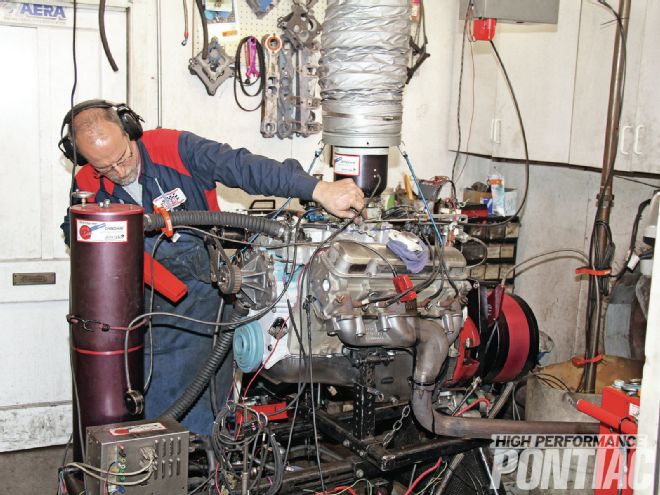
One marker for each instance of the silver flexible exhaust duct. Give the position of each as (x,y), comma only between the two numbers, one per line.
(364,54)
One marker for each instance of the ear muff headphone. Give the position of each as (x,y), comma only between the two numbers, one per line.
(129,119)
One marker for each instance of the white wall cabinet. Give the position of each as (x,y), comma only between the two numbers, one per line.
(646,139)
(592,86)
(540,60)
(561,76)
(478,94)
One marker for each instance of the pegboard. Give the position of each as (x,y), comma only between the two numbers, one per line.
(248,23)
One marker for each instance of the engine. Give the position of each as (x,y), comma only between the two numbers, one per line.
(366,322)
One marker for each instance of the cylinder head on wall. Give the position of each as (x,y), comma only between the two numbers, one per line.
(364,55)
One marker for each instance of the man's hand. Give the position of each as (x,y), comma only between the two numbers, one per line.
(342,198)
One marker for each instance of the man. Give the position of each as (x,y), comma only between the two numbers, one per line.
(125,165)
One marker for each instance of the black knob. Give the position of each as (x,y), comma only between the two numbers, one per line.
(134,401)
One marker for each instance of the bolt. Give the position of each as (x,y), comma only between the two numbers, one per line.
(346,443)
(362,453)
(359,473)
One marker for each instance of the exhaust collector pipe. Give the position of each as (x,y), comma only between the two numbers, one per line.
(452,426)
(431,342)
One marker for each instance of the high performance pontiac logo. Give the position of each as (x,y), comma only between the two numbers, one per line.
(572,462)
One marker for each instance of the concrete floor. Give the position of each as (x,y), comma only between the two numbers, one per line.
(31,471)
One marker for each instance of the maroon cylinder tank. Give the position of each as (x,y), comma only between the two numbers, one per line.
(107,244)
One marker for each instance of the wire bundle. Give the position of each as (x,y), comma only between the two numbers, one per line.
(246,450)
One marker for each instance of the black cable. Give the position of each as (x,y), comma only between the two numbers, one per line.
(73,178)
(460,478)
(201,485)
(254,317)
(414,42)
(305,282)
(633,237)
(71,129)
(232,440)
(238,74)
(104,39)
(605,262)
(441,266)
(150,333)
(524,138)
(467,143)
(311,386)
(460,88)
(301,382)
(213,394)
(551,378)
(595,284)
(437,268)
(205,29)
(66,449)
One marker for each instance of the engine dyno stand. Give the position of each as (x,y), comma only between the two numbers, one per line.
(368,437)
(345,459)
(373,369)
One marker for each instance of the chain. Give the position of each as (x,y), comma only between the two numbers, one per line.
(397,426)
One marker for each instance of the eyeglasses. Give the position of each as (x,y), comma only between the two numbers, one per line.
(120,163)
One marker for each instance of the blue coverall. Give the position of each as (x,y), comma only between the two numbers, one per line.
(173,159)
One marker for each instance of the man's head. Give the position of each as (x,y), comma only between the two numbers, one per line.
(101,139)
(104,133)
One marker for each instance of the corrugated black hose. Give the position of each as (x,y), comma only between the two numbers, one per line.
(191,395)
(263,225)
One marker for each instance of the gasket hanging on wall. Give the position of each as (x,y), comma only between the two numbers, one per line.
(300,26)
(212,64)
(214,68)
(291,79)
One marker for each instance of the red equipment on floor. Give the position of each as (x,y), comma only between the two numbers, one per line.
(614,460)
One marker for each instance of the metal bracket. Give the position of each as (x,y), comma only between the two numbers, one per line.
(300,26)
(364,414)
(215,69)
(286,107)
(272,45)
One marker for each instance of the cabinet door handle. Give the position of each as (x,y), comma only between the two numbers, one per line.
(638,131)
(622,141)
(496,130)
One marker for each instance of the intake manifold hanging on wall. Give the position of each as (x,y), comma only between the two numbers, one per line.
(364,54)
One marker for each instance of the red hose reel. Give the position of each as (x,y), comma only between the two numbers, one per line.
(499,341)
